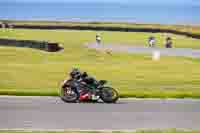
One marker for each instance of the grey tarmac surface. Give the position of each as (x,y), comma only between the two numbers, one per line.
(53,114)
(185,52)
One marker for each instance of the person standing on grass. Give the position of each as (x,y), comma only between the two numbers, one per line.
(98,39)
(168,43)
(151,41)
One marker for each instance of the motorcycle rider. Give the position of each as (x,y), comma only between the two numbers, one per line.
(83,78)
(75,77)
(92,82)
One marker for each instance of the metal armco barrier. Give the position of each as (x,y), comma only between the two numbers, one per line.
(41,45)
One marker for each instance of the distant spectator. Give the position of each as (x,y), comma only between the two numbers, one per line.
(98,39)
(151,41)
(168,43)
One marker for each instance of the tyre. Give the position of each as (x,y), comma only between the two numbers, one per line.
(68,94)
(109,95)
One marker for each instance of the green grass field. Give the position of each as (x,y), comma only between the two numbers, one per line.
(25,71)
(138,131)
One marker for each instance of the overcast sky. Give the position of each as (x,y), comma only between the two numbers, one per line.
(193,2)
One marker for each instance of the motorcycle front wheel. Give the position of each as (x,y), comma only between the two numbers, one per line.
(109,95)
(68,94)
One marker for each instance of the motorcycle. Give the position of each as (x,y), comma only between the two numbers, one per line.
(102,92)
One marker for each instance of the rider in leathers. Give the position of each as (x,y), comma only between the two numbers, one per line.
(79,78)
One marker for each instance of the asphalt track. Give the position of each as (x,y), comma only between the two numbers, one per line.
(184,52)
(53,114)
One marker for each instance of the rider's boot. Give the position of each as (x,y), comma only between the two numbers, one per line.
(94,97)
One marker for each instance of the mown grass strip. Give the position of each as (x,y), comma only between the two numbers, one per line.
(110,131)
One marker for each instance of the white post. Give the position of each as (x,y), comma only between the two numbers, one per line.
(156,55)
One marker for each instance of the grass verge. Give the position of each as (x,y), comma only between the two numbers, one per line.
(138,131)
(25,71)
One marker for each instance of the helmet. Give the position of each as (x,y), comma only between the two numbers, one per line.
(84,75)
(168,38)
(75,73)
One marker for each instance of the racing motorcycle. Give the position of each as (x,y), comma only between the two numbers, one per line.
(102,92)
